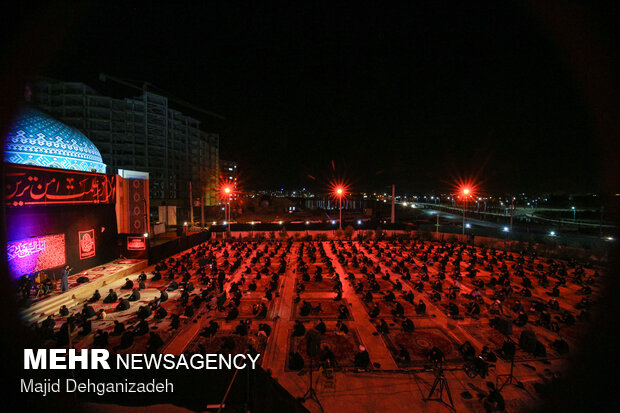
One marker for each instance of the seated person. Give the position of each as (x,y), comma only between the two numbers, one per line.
(374,312)
(126,341)
(295,361)
(211,329)
(342,327)
(128,284)
(435,356)
(86,328)
(403,355)
(160,313)
(453,310)
(408,326)
(398,310)
(141,328)
(521,319)
(96,296)
(305,309)
(317,309)
(154,344)
(135,295)
(473,309)
(122,305)
(327,355)
(64,311)
(320,326)
(488,355)
(467,351)
(111,297)
(242,328)
(144,312)
(142,277)
(494,401)
(265,328)
(100,339)
(88,311)
(163,296)
(361,358)
(568,318)
(232,314)
(343,312)
(299,330)
(262,311)
(383,327)
(119,328)
(420,308)
(173,286)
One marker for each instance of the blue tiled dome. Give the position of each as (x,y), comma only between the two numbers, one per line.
(38,139)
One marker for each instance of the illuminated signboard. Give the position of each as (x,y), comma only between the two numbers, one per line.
(136,243)
(31,255)
(87,244)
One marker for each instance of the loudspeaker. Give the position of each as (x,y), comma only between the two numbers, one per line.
(313,342)
(503,325)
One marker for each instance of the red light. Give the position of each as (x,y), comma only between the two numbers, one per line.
(339,191)
(227,189)
(466,191)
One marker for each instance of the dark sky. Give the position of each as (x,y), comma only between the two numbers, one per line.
(416,96)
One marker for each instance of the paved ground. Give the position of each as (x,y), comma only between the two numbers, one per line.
(387,385)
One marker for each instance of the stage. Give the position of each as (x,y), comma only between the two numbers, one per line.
(98,276)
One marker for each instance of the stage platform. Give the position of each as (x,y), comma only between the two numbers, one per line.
(99,277)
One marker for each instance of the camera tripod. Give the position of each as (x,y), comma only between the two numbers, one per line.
(311,393)
(510,377)
(442,382)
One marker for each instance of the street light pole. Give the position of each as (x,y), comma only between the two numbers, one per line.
(340,206)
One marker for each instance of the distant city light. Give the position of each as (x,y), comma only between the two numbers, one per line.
(359,222)
(224,222)
(280,222)
(467,225)
(146,235)
(506,229)
(610,238)
(333,222)
(552,233)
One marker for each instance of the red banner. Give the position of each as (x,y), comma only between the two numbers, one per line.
(27,185)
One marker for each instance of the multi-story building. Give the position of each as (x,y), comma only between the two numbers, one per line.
(141,133)
(228,174)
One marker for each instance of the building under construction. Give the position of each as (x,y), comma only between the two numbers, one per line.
(142,133)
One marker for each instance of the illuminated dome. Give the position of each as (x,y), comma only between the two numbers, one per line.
(38,139)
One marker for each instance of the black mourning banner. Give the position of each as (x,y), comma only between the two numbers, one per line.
(28,186)
(137,205)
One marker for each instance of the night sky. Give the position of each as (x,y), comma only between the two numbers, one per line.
(416,96)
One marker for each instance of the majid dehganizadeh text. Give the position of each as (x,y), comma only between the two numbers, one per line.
(62,359)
